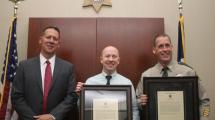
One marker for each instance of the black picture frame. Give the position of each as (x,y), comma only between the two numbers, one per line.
(189,86)
(120,92)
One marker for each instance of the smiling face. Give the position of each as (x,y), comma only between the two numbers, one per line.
(163,50)
(110,59)
(49,42)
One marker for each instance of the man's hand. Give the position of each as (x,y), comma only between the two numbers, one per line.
(44,117)
(143,99)
(79,87)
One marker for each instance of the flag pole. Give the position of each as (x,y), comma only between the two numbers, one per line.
(16,3)
(10,64)
(180,7)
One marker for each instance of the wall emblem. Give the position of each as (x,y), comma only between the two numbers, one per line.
(97,4)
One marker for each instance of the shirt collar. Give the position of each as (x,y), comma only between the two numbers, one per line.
(170,66)
(43,59)
(105,74)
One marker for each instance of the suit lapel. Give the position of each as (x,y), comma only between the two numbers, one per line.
(55,73)
(38,73)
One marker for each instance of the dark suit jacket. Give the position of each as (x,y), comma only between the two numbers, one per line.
(27,93)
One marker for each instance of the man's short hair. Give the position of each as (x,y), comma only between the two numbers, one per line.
(160,35)
(51,27)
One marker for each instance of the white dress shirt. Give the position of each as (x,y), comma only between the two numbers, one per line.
(43,66)
(116,79)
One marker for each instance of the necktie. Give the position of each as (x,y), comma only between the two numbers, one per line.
(165,73)
(108,77)
(47,84)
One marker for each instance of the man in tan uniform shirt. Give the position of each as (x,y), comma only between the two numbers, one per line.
(163,51)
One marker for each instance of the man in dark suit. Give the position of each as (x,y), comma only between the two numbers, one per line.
(44,86)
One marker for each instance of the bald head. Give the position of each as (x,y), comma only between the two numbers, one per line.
(110,59)
(110,48)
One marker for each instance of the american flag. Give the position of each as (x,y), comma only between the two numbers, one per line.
(8,73)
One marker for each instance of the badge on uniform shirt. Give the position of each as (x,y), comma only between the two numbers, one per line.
(205,108)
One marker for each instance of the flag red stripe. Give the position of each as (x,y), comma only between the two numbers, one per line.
(5,96)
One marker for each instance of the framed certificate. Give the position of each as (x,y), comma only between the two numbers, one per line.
(171,98)
(102,102)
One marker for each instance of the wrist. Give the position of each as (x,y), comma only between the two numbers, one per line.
(52,117)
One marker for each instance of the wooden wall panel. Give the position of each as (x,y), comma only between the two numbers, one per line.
(82,40)
(133,37)
(78,42)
